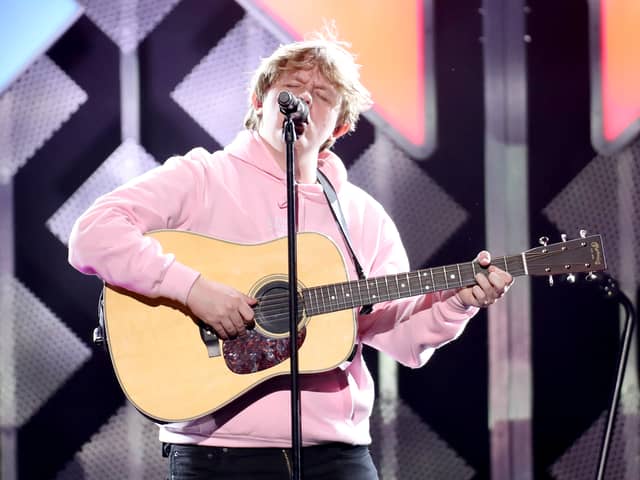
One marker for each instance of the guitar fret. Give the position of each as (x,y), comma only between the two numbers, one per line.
(315,292)
(340,296)
(412,286)
(397,287)
(351,293)
(359,292)
(417,281)
(401,286)
(425,286)
(306,301)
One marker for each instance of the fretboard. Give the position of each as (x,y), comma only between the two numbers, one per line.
(342,296)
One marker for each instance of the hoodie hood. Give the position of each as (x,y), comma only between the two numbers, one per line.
(249,147)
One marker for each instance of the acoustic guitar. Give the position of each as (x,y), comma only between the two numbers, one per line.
(173,368)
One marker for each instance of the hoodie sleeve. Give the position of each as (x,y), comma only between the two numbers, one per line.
(410,329)
(108,239)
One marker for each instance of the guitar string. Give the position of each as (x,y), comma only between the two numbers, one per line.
(413,275)
(279,310)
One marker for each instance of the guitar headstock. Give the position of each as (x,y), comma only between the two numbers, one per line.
(584,254)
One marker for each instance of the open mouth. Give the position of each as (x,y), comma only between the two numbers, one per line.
(300,128)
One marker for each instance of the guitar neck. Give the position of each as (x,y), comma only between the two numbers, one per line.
(342,296)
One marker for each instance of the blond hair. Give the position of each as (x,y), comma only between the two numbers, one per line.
(332,58)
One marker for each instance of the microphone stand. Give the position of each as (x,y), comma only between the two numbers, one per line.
(296,430)
(612,291)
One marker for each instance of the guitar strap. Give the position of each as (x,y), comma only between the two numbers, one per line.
(332,199)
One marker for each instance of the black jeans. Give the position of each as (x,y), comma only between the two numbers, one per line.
(333,461)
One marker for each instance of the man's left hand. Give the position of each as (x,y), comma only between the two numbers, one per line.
(489,288)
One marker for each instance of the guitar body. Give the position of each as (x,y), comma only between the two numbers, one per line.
(157,349)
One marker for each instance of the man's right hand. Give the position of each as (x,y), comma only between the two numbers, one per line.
(225,309)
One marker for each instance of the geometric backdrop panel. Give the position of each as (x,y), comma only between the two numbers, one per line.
(45,353)
(426,216)
(127,23)
(126,447)
(36,105)
(406,448)
(623,462)
(580,204)
(215,93)
(126,162)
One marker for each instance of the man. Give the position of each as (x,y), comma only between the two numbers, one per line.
(239,195)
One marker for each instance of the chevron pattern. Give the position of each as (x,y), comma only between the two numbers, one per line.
(60,146)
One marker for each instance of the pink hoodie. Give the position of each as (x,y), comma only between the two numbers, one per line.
(239,195)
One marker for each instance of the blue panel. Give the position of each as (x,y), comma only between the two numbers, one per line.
(27,29)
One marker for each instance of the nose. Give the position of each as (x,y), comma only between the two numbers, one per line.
(306,97)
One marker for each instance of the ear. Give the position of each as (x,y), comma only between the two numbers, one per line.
(340,130)
(257,105)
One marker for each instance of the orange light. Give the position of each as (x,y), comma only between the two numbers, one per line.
(388,39)
(620,65)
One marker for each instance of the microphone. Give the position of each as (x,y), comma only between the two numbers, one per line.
(293,106)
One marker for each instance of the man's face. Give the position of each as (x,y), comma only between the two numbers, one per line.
(324,107)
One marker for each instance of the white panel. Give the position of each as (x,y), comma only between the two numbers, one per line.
(127,22)
(36,105)
(216,92)
(46,353)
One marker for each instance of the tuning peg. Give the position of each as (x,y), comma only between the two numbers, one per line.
(563,236)
(591,276)
(551,280)
(543,241)
(610,287)
(571,278)
(583,233)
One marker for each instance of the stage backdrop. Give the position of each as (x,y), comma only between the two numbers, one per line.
(126,84)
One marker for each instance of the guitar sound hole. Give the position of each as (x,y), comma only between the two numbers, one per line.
(272,311)
(256,351)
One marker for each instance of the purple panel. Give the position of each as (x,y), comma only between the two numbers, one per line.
(222,78)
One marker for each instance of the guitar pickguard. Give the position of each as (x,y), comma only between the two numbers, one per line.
(255,352)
